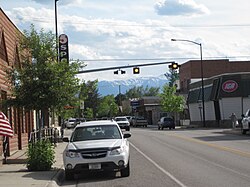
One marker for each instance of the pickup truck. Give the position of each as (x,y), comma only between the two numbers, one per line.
(245,122)
(139,121)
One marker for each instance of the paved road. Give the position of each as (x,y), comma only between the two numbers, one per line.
(201,158)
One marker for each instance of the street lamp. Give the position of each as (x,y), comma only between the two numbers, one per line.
(56,30)
(202,81)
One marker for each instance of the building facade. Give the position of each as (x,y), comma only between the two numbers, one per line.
(226,90)
(150,108)
(191,71)
(21,120)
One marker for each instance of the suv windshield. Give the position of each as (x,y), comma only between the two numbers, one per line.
(121,119)
(96,133)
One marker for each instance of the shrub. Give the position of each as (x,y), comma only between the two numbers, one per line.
(41,156)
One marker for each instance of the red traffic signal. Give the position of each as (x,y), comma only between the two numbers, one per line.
(174,65)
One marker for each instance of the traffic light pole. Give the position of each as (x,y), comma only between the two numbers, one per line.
(123,67)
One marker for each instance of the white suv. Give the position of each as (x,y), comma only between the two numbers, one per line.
(123,122)
(96,146)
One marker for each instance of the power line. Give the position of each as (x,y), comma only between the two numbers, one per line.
(114,24)
(161,59)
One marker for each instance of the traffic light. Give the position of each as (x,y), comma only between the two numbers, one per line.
(174,65)
(123,72)
(136,70)
(116,72)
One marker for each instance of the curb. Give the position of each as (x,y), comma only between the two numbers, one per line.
(57,179)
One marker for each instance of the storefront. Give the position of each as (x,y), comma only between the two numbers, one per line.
(21,120)
(223,95)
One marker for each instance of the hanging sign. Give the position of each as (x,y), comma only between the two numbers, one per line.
(63,48)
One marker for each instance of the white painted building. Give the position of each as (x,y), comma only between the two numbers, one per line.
(223,95)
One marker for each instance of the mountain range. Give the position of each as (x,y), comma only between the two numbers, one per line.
(121,86)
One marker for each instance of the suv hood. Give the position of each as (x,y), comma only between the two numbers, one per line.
(93,144)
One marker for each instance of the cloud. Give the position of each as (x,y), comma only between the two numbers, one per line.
(62,2)
(180,8)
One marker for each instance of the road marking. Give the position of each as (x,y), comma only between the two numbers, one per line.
(159,167)
(228,149)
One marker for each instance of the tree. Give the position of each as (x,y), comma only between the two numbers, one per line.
(152,91)
(43,84)
(170,101)
(108,106)
(140,91)
(172,76)
(89,94)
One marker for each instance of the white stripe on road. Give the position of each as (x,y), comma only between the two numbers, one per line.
(159,167)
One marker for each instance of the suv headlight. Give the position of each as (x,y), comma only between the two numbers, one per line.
(117,150)
(72,154)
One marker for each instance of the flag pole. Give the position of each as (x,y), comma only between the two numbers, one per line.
(5,146)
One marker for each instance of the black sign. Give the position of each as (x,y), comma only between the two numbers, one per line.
(63,48)
(134,103)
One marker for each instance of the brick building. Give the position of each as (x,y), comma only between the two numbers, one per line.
(226,89)
(21,120)
(191,70)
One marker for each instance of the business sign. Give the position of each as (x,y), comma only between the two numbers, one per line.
(229,86)
(63,48)
(134,103)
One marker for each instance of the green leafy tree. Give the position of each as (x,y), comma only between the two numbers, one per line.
(89,113)
(108,106)
(43,84)
(172,76)
(152,91)
(170,101)
(89,94)
(140,91)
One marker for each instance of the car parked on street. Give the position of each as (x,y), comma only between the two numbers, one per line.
(96,146)
(245,122)
(129,119)
(71,123)
(79,120)
(123,122)
(139,121)
(166,122)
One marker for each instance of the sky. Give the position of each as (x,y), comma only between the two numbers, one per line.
(111,33)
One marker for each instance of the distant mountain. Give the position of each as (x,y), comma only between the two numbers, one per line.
(112,87)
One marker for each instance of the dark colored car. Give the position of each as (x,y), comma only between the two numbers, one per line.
(166,122)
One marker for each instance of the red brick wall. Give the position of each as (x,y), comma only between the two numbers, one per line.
(192,69)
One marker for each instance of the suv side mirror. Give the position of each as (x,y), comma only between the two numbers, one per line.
(242,115)
(127,135)
(65,139)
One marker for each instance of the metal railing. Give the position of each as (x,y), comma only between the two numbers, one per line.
(51,134)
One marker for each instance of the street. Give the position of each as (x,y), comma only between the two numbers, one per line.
(181,157)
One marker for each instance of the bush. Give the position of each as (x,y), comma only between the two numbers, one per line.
(41,156)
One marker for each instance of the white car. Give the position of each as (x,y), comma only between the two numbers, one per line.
(123,122)
(96,146)
(245,122)
(71,123)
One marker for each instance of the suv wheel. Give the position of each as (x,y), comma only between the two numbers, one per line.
(126,171)
(69,175)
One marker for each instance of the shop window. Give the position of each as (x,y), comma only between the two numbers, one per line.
(3,51)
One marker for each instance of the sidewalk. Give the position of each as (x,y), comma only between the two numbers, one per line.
(15,173)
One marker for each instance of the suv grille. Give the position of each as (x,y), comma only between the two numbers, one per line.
(94,153)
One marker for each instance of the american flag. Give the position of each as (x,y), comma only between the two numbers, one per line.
(5,128)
